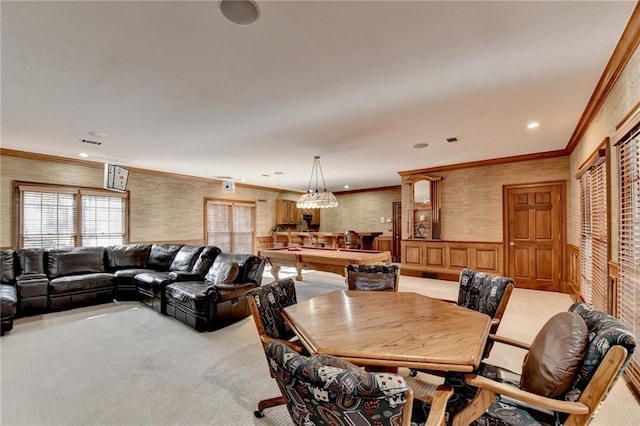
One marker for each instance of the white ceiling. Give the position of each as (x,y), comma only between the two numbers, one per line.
(180,89)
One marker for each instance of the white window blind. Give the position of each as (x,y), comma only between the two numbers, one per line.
(629,241)
(593,234)
(48,219)
(52,216)
(230,225)
(102,220)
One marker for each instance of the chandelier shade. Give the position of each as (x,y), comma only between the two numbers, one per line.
(317,198)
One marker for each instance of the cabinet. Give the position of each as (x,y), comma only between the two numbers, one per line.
(424,208)
(287,213)
(315,215)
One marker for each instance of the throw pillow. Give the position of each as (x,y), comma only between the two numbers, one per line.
(227,273)
(556,355)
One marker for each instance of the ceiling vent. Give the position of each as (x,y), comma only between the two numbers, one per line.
(90,142)
(452,139)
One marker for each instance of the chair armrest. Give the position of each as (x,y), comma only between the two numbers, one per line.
(184,276)
(235,286)
(485,383)
(296,346)
(438,405)
(509,341)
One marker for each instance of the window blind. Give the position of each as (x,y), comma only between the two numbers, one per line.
(599,237)
(629,241)
(51,216)
(585,238)
(230,225)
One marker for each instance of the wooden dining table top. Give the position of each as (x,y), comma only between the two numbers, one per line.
(391,329)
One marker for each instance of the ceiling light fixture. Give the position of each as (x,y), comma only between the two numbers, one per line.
(421,145)
(315,199)
(533,125)
(83,155)
(241,12)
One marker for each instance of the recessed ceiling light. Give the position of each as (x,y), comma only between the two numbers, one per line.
(241,12)
(533,125)
(266,175)
(83,155)
(346,187)
(278,173)
(421,145)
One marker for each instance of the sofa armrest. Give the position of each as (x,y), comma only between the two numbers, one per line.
(184,276)
(235,286)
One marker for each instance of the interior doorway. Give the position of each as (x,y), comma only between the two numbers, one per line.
(396,231)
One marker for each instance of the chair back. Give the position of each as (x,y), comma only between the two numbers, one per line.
(322,389)
(352,240)
(372,277)
(266,304)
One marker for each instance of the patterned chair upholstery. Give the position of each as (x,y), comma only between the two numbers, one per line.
(604,331)
(322,389)
(485,293)
(266,304)
(372,277)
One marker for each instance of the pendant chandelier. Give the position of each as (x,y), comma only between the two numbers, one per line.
(317,198)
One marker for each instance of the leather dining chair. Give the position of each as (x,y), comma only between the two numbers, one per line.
(570,366)
(352,240)
(372,277)
(322,389)
(266,304)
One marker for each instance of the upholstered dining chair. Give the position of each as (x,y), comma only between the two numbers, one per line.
(266,304)
(352,240)
(322,389)
(485,293)
(567,373)
(372,277)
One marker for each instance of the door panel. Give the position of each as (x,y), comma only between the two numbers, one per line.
(534,235)
(396,230)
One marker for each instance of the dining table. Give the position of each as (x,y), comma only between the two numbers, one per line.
(391,329)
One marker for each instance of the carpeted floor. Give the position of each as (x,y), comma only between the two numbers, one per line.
(125,364)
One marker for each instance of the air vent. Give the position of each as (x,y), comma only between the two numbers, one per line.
(90,142)
(452,139)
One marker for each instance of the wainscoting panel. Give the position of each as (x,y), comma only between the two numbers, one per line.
(450,257)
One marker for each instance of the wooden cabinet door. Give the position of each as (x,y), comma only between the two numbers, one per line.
(534,235)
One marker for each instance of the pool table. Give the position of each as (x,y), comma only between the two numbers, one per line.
(320,259)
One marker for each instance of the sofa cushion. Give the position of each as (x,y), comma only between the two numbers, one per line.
(7,266)
(205,260)
(188,290)
(75,283)
(555,356)
(226,273)
(153,280)
(185,258)
(79,260)
(31,261)
(128,256)
(162,255)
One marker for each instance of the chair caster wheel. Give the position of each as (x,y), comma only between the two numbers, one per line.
(258,414)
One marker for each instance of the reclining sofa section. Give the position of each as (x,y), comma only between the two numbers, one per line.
(210,286)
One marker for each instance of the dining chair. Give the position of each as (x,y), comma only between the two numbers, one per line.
(566,375)
(322,389)
(352,240)
(485,293)
(372,277)
(266,304)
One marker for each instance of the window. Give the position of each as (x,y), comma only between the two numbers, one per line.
(628,302)
(593,232)
(54,216)
(230,225)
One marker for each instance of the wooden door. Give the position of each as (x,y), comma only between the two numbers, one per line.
(396,231)
(535,234)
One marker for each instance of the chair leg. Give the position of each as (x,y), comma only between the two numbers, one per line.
(268,403)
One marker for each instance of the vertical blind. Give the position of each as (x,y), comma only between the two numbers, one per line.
(230,225)
(54,217)
(593,234)
(629,241)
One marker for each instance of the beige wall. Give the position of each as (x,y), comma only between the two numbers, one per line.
(162,207)
(620,101)
(361,211)
(472,198)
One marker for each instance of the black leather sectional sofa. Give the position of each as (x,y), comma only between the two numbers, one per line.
(199,286)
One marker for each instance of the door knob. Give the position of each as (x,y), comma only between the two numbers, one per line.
(512,244)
